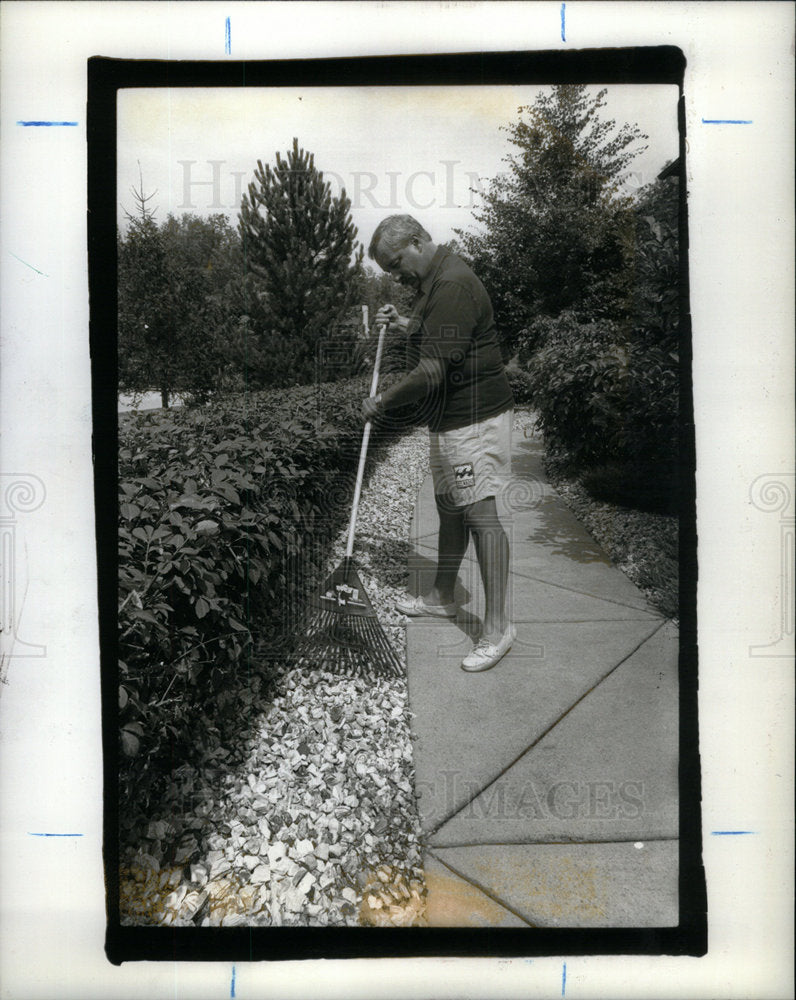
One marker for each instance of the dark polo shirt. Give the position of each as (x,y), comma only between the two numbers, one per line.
(452,320)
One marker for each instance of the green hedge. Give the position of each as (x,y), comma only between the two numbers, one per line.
(604,393)
(213,504)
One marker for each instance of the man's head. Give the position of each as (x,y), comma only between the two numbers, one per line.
(402,248)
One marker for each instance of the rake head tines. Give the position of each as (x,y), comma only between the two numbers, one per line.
(342,631)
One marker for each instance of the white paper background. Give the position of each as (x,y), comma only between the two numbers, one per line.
(740,66)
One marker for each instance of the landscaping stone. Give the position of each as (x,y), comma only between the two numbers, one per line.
(322,774)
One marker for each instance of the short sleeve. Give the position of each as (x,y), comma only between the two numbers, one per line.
(450,319)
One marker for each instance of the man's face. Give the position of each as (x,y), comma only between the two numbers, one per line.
(408,265)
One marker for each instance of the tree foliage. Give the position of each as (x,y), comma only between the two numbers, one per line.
(656,304)
(375,289)
(174,302)
(556,230)
(145,356)
(607,391)
(584,280)
(304,263)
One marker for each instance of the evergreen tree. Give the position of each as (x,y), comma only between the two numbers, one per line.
(146,355)
(556,230)
(300,246)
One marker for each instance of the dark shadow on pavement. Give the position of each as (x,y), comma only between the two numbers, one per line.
(562,535)
(421,578)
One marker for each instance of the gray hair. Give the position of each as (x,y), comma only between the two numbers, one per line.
(394,232)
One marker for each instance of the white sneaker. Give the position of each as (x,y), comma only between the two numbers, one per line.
(485,654)
(416,607)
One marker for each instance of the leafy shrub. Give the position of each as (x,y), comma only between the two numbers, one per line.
(656,286)
(605,394)
(215,505)
(604,373)
(520,382)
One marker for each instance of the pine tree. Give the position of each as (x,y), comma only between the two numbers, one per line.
(146,355)
(300,245)
(557,232)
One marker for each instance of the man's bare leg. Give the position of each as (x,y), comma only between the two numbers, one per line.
(452,544)
(492,551)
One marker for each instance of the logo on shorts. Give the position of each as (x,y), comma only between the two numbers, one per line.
(464,475)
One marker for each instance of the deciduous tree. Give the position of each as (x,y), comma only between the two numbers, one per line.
(176,298)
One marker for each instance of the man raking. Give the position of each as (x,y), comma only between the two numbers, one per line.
(458,386)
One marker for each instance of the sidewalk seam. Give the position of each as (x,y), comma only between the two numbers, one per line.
(585,593)
(641,839)
(550,583)
(476,885)
(430,833)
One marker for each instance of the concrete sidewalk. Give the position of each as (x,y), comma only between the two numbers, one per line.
(548,786)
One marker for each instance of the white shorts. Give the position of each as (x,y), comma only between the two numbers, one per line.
(474,462)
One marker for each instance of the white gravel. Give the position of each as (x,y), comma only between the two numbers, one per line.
(313,820)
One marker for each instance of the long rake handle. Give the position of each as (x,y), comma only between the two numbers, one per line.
(349,549)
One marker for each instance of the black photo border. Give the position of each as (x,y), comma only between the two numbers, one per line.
(637,65)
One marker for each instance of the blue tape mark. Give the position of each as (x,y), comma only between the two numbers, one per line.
(28,124)
(726,121)
(28,265)
(54,834)
(731,833)
(563,22)
(564,980)
(232,985)
(228,38)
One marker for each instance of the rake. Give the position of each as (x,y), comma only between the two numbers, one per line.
(342,630)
